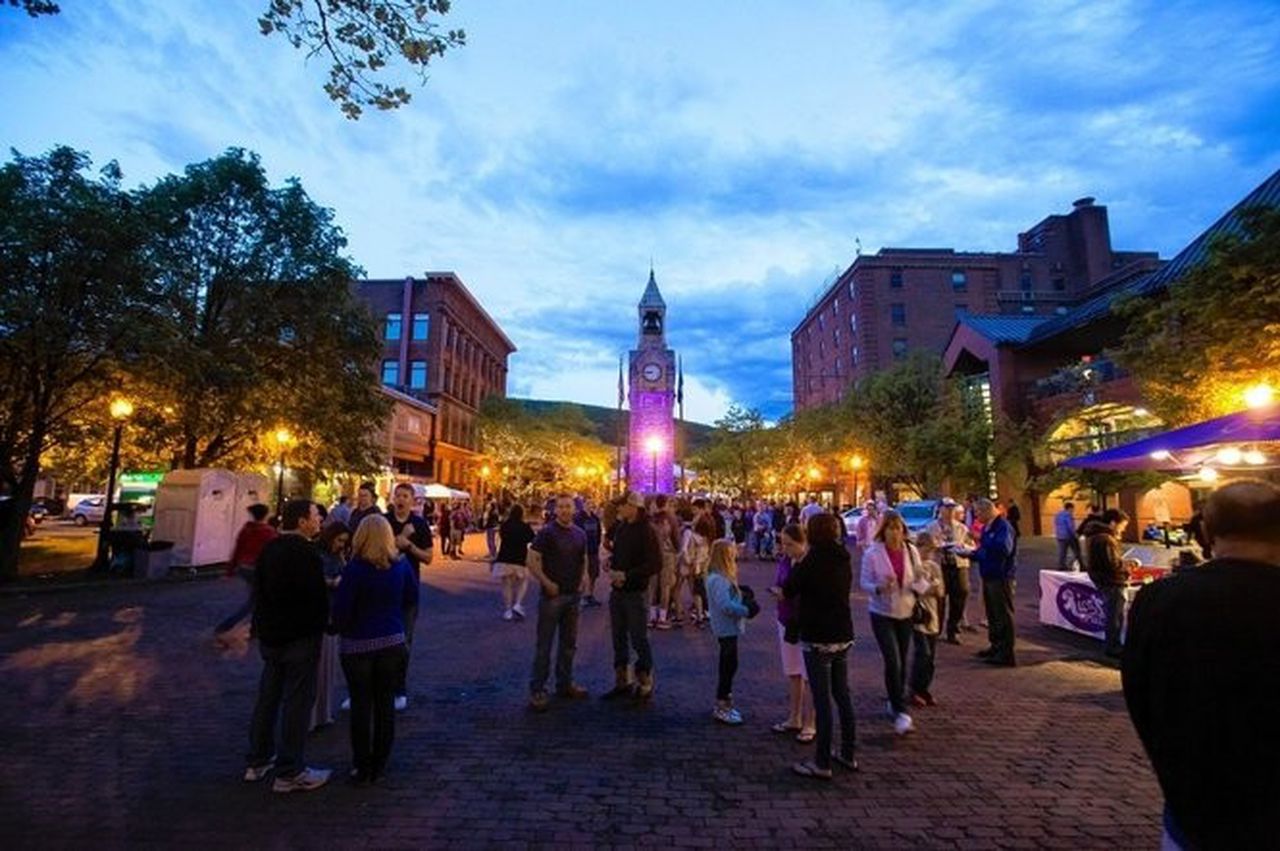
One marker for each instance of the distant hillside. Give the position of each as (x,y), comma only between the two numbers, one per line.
(605,421)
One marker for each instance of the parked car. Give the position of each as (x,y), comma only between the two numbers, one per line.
(918,513)
(38,513)
(89,510)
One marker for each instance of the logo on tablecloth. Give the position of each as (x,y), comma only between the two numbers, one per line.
(1082,607)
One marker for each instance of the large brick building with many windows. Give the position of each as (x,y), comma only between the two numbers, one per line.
(439,346)
(897,300)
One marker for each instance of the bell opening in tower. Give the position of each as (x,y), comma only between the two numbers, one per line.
(652,323)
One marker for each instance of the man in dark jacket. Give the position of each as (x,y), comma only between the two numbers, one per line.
(996,567)
(1108,570)
(637,556)
(290,616)
(1201,676)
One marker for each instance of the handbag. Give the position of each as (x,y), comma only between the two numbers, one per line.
(920,614)
(749,600)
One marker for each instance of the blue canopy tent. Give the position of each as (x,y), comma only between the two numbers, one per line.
(1246,440)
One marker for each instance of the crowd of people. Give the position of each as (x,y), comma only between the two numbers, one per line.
(341,592)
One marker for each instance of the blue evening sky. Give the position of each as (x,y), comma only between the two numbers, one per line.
(743,145)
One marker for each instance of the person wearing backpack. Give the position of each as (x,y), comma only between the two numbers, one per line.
(729,615)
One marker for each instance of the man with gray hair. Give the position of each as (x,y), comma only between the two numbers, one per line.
(1201,671)
(994,556)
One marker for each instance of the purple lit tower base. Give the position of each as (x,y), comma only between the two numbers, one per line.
(652,427)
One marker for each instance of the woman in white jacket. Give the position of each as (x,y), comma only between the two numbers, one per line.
(889,574)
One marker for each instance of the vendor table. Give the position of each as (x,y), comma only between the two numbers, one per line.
(1070,600)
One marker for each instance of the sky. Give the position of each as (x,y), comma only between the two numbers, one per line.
(745,148)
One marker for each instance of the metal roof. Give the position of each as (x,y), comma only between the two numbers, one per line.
(651,297)
(1003,329)
(1266,195)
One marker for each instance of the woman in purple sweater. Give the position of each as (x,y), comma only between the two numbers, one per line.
(800,713)
(377,586)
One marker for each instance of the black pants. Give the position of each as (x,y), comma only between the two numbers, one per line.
(828,681)
(629,624)
(287,690)
(955,579)
(924,649)
(894,637)
(997,597)
(410,621)
(1113,605)
(728,667)
(372,679)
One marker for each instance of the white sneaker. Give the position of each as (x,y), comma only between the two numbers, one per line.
(518,611)
(254,773)
(726,716)
(508,615)
(345,706)
(402,703)
(304,781)
(903,724)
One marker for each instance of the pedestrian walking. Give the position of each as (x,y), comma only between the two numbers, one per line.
(366,504)
(637,558)
(930,590)
(588,520)
(334,541)
(668,529)
(994,556)
(378,586)
(1109,572)
(695,549)
(412,535)
(250,540)
(951,536)
(799,721)
(290,616)
(514,538)
(1200,678)
(728,621)
(888,575)
(492,520)
(1064,532)
(459,522)
(445,525)
(558,561)
(819,584)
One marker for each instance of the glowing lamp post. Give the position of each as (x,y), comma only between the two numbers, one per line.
(857,462)
(1259,395)
(282,438)
(121,410)
(654,445)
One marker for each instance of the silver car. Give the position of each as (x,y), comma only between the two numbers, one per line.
(89,510)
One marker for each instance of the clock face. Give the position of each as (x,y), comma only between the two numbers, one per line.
(651,372)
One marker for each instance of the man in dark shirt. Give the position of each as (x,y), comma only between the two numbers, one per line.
(1201,671)
(290,616)
(366,504)
(588,520)
(637,556)
(557,560)
(413,540)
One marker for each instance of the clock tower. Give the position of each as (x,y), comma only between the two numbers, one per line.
(651,447)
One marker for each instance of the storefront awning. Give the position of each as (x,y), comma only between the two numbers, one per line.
(1190,447)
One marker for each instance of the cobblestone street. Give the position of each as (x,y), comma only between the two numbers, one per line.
(123,725)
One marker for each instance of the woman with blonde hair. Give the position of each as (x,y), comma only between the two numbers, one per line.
(890,570)
(376,588)
(728,620)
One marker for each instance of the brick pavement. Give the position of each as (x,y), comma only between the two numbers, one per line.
(123,726)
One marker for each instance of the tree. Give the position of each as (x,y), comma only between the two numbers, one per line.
(1194,349)
(72,282)
(254,324)
(535,454)
(360,38)
(735,457)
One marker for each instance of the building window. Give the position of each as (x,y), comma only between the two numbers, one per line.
(853,291)
(899,348)
(822,322)
(835,305)
(898,313)
(390,373)
(1028,308)
(1025,281)
(394,320)
(418,375)
(853,323)
(895,279)
(421,324)
(413,425)
(853,356)
(959,280)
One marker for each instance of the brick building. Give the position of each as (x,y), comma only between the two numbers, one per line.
(902,299)
(441,348)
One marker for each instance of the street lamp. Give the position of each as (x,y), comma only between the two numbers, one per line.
(654,445)
(856,462)
(282,439)
(121,410)
(1259,395)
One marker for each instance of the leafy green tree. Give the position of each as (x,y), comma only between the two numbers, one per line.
(360,39)
(72,282)
(1194,349)
(735,458)
(255,323)
(531,455)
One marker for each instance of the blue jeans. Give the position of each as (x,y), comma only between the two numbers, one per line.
(556,614)
(922,663)
(894,637)
(286,689)
(627,617)
(829,680)
(491,541)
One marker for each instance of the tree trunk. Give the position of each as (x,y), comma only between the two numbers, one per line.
(12,523)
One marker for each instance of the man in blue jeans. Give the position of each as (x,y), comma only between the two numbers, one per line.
(290,617)
(994,556)
(637,556)
(558,561)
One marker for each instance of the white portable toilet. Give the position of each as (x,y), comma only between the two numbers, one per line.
(251,489)
(196,510)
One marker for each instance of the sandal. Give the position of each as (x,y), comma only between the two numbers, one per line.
(809,769)
(804,737)
(784,727)
(850,763)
